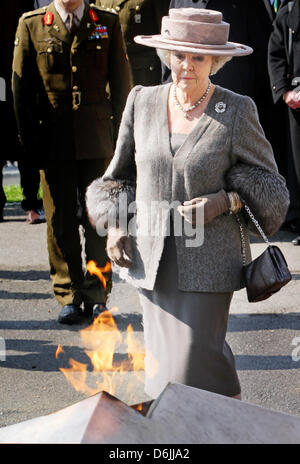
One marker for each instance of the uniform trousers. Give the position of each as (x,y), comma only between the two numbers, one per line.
(30,183)
(64,185)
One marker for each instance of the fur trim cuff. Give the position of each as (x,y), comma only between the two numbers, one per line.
(265,193)
(107,201)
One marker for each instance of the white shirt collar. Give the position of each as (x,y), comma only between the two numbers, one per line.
(64,13)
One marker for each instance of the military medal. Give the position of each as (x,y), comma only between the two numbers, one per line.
(100,32)
(48,18)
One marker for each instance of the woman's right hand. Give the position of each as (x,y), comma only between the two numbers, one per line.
(118,247)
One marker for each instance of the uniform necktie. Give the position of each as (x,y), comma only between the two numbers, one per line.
(72,23)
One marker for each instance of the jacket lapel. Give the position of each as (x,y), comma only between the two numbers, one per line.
(162,122)
(86,27)
(270,10)
(58,28)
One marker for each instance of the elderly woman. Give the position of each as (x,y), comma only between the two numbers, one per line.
(199,148)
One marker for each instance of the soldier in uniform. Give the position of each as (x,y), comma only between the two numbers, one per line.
(10,13)
(138,17)
(65,55)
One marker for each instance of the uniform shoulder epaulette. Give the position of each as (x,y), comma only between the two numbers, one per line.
(103,8)
(39,11)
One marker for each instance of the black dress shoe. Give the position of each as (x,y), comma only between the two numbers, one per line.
(71,314)
(98,309)
(92,311)
(296,241)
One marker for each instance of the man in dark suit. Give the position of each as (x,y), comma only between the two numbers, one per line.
(284,66)
(272,7)
(65,55)
(269,5)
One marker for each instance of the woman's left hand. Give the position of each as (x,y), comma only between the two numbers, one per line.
(213,204)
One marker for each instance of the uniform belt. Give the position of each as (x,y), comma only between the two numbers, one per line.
(76,98)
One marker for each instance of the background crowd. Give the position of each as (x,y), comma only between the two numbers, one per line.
(268,75)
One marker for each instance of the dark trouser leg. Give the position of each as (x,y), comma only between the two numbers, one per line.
(294,165)
(61,184)
(2,194)
(30,183)
(95,246)
(294,118)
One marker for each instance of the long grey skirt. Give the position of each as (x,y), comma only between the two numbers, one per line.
(185,334)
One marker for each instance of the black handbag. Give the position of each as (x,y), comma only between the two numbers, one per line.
(266,274)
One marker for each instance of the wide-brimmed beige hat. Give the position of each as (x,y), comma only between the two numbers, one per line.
(194,30)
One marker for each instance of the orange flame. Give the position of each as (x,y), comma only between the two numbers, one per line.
(59,350)
(99,271)
(101,340)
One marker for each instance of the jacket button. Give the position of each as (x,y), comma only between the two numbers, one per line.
(74,68)
(111,117)
(274,87)
(151,68)
(98,47)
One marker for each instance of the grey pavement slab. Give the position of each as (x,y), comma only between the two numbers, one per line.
(263,336)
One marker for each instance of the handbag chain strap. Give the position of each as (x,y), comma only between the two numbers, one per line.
(243,240)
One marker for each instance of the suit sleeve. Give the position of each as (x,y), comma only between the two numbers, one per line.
(119,74)
(254,174)
(109,196)
(24,86)
(259,29)
(277,59)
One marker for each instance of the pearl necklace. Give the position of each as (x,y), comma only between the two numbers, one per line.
(185,111)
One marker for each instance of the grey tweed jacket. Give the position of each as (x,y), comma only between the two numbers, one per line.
(227,150)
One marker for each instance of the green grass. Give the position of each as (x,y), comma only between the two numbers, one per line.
(14,193)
